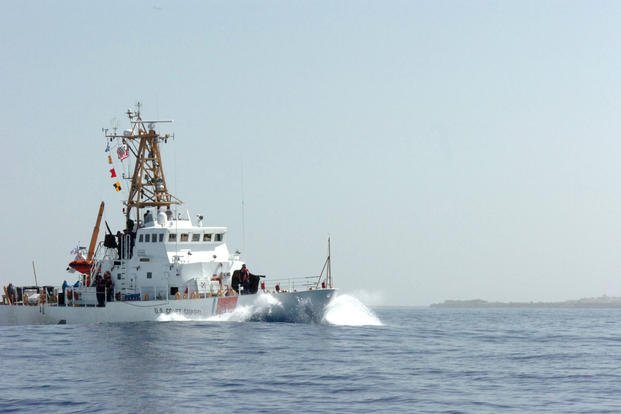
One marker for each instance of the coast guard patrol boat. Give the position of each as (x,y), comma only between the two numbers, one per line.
(161,263)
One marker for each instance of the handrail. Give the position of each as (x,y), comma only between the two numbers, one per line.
(290,282)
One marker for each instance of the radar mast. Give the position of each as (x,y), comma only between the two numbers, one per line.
(148,183)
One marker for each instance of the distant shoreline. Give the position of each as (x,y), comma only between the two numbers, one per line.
(600,302)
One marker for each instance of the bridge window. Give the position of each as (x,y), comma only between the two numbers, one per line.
(147,238)
(196,237)
(172,237)
(154,238)
(140,238)
(184,237)
(149,275)
(219,237)
(207,237)
(161,237)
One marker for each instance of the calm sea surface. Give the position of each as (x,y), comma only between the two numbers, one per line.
(417,361)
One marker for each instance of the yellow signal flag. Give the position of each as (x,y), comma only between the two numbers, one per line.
(117,186)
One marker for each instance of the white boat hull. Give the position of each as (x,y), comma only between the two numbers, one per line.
(307,306)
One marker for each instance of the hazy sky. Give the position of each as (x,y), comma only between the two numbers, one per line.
(452,149)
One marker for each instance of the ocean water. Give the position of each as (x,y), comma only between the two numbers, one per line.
(403,360)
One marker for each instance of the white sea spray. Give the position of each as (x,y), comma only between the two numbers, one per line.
(347,310)
(262,305)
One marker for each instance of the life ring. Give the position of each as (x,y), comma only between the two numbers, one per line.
(146,296)
(178,295)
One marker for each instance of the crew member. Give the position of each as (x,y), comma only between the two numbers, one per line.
(148,218)
(245,274)
(100,288)
(109,285)
(245,279)
(11,292)
(65,286)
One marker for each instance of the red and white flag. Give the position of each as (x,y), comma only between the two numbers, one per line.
(122,152)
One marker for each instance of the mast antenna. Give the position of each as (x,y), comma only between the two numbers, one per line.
(327,267)
(329,274)
(34,271)
(243,209)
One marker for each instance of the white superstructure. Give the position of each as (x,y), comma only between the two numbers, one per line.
(171,257)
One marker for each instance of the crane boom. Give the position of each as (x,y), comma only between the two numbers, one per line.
(91,247)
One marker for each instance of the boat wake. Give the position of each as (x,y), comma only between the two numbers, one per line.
(346,310)
(261,309)
(342,310)
(173,317)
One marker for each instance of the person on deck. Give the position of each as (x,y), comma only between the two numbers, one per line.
(100,288)
(148,218)
(61,302)
(11,291)
(245,274)
(109,285)
(248,281)
(245,279)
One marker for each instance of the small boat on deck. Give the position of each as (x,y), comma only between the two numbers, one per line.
(162,262)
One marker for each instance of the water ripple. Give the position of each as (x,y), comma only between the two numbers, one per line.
(418,360)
